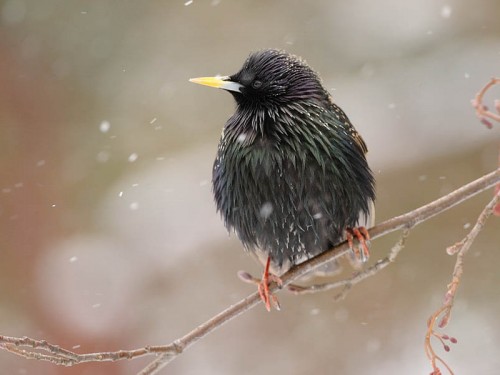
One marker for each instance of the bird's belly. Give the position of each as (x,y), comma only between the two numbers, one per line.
(275,211)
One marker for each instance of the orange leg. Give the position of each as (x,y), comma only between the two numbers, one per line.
(263,287)
(363,237)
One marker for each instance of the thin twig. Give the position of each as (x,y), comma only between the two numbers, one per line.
(380,265)
(482,110)
(65,357)
(429,350)
(485,115)
(358,277)
(166,353)
(443,313)
(463,246)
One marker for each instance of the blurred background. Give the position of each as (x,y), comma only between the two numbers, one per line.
(109,237)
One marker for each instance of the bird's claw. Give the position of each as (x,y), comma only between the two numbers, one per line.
(361,251)
(263,287)
(267,297)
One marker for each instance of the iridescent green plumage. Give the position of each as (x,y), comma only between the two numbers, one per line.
(290,174)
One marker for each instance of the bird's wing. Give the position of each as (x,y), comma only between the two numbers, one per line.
(359,140)
(348,126)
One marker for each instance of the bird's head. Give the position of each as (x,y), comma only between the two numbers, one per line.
(268,78)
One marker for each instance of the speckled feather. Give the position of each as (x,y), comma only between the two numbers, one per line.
(290,173)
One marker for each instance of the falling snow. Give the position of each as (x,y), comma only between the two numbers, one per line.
(266,210)
(314,311)
(242,137)
(289,40)
(189,2)
(318,216)
(104,126)
(134,206)
(446,11)
(73,259)
(133,157)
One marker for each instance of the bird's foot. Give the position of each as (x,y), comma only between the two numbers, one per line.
(265,295)
(361,251)
(263,285)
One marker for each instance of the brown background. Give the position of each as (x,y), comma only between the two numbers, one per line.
(109,239)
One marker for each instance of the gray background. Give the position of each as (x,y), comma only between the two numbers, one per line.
(109,237)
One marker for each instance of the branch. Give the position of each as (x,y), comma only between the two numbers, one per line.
(60,356)
(482,110)
(404,221)
(460,248)
(42,350)
(485,116)
(358,277)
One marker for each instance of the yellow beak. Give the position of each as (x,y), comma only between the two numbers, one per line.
(218,82)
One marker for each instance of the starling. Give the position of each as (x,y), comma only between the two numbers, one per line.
(290,176)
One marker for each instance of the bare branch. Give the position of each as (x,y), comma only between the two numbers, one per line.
(485,116)
(404,221)
(444,312)
(357,278)
(42,350)
(482,111)
(60,356)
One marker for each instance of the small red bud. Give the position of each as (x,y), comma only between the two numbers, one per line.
(496,210)
(453,340)
(293,288)
(452,250)
(486,122)
(443,322)
(445,337)
(447,348)
(244,276)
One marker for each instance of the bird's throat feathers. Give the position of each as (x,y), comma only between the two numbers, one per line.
(251,122)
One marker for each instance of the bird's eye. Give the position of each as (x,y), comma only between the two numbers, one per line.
(256,84)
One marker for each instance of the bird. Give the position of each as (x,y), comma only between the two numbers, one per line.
(290,176)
